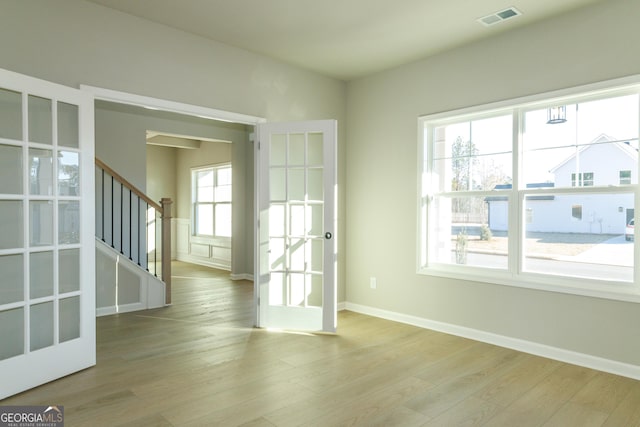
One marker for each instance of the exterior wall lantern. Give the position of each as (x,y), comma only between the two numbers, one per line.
(556,115)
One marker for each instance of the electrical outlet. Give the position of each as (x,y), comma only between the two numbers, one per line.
(373,283)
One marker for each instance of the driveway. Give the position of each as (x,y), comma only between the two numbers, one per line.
(614,251)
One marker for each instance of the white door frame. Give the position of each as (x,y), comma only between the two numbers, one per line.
(152,103)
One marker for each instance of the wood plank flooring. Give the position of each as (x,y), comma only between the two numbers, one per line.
(200,363)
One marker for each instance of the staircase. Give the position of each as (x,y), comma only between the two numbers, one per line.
(133,246)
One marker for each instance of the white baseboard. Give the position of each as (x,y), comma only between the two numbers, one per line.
(572,357)
(199,261)
(242,276)
(342,306)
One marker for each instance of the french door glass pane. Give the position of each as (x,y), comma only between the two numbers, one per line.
(296,290)
(69,270)
(12,333)
(41,330)
(315,255)
(68,222)
(69,309)
(278,151)
(315,149)
(40,120)
(68,125)
(296,149)
(11,116)
(277,184)
(315,219)
(41,223)
(277,289)
(11,285)
(296,254)
(11,165)
(68,173)
(276,220)
(40,274)
(296,220)
(11,224)
(314,286)
(40,172)
(277,254)
(315,184)
(296,190)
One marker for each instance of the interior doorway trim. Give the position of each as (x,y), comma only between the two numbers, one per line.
(170,106)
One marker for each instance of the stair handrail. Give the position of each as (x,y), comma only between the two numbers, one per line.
(163,208)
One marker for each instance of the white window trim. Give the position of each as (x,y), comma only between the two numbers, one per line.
(199,238)
(514,277)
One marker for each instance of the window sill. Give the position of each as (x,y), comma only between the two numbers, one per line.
(612,290)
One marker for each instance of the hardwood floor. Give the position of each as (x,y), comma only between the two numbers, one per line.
(200,363)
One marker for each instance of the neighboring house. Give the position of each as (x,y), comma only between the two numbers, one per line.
(579,213)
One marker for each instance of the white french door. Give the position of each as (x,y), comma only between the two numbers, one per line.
(296,248)
(47,248)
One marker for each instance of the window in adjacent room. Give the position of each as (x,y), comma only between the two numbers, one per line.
(211,189)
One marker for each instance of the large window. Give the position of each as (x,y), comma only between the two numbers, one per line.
(486,171)
(212,201)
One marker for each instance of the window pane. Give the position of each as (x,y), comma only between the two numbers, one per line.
(223,194)
(464,235)
(223,220)
(580,235)
(473,155)
(569,154)
(224,176)
(204,220)
(204,186)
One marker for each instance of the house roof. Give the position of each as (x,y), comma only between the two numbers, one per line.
(342,39)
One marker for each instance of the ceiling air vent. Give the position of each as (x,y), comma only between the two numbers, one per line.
(500,16)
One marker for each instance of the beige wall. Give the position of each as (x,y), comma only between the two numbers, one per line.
(74,42)
(162,173)
(587,46)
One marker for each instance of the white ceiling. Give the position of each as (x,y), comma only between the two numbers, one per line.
(345,39)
